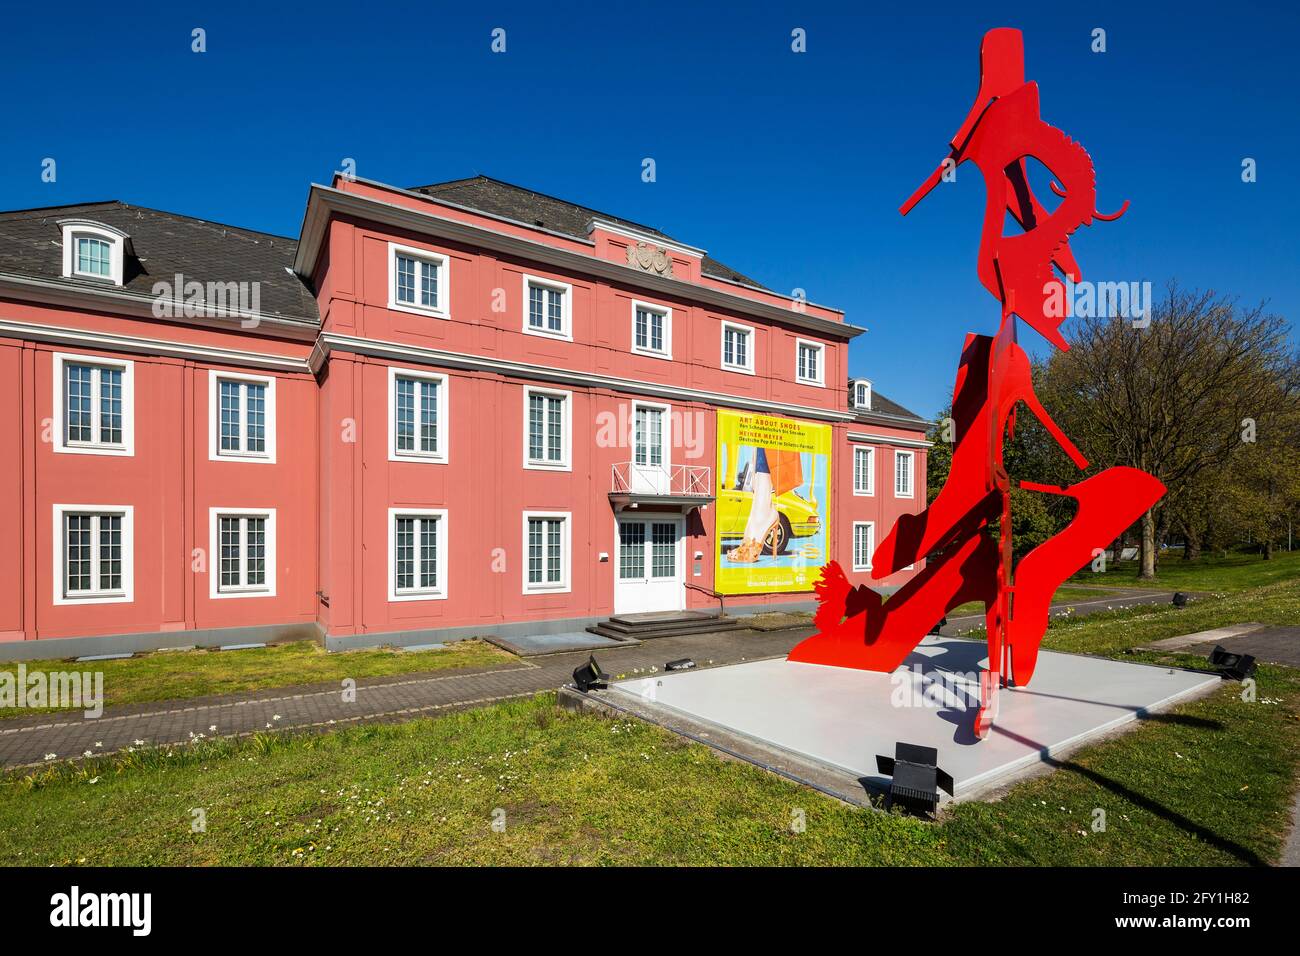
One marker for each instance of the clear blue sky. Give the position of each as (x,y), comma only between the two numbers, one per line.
(788,167)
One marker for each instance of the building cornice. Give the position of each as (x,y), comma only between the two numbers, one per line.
(640,235)
(889,440)
(324,201)
(421,355)
(95,340)
(75,295)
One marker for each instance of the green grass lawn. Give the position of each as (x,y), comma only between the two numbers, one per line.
(1208,784)
(1235,572)
(201,673)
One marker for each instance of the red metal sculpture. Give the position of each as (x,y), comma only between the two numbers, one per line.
(856,627)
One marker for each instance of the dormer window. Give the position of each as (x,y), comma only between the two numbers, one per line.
(862,394)
(92,250)
(94,256)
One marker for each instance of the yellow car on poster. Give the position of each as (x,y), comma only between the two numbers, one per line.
(798,516)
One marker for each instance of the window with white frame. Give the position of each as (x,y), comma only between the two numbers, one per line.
(864,540)
(418,280)
(862,395)
(417,554)
(241,417)
(546,551)
(737,347)
(864,470)
(241,559)
(92,250)
(652,329)
(546,428)
(93,256)
(809,361)
(93,553)
(417,415)
(547,307)
(903,474)
(648,444)
(94,399)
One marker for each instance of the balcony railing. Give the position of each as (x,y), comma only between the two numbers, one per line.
(669,481)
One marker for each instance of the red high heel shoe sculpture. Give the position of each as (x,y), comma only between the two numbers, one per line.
(855,626)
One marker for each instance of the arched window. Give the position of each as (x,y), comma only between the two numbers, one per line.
(92,250)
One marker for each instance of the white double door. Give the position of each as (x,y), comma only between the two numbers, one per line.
(650,565)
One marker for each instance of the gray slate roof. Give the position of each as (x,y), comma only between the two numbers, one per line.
(164,244)
(508,201)
(882,407)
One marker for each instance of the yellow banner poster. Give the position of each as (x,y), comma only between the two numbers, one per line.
(773,508)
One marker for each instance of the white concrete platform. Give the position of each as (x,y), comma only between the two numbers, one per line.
(843,718)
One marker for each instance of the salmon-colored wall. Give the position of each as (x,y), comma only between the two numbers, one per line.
(486,489)
(485,317)
(169,482)
(881,508)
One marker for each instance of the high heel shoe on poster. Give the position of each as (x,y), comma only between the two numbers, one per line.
(746,553)
(751,548)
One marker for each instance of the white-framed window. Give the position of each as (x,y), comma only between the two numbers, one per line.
(93,554)
(809,362)
(737,348)
(417,415)
(652,329)
(548,308)
(864,544)
(418,281)
(546,551)
(903,464)
(862,394)
(241,417)
(417,554)
(94,405)
(92,250)
(241,552)
(652,438)
(547,433)
(864,470)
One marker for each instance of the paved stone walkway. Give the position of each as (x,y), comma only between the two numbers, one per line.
(1273,644)
(30,740)
(1116,597)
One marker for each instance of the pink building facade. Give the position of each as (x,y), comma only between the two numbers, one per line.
(441,412)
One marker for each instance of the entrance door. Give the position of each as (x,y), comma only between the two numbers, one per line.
(650,572)
(650,444)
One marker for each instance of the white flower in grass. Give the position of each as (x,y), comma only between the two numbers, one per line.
(138,743)
(50,756)
(212,729)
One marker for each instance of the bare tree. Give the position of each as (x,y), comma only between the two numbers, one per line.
(1170,398)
